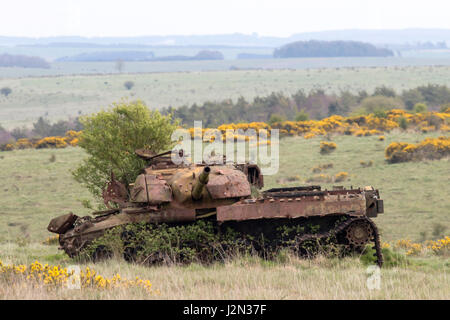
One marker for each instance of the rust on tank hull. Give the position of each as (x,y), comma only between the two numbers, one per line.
(271,208)
(164,216)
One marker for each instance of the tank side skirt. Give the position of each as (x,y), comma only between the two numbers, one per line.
(293,207)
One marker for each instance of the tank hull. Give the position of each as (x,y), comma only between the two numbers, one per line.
(343,214)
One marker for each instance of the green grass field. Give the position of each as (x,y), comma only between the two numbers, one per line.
(34,190)
(61,97)
(78,68)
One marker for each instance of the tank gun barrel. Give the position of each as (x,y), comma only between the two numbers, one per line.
(200,184)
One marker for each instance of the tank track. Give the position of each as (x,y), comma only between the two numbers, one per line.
(377,243)
(341,228)
(334,230)
(74,245)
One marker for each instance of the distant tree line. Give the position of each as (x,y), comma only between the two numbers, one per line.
(314,48)
(428,45)
(41,128)
(316,104)
(8,60)
(202,55)
(139,56)
(300,106)
(104,56)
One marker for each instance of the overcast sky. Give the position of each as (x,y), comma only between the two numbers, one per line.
(42,18)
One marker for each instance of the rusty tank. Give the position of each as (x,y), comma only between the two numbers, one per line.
(185,193)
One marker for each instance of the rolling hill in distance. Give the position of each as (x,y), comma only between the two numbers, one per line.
(383,36)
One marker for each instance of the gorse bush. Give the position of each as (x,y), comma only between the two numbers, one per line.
(341,176)
(51,142)
(322,167)
(438,247)
(24,144)
(70,139)
(325,178)
(327,147)
(53,277)
(430,148)
(53,240)
(366,164)
(359,126)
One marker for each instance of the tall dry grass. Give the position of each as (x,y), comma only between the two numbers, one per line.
(253,278)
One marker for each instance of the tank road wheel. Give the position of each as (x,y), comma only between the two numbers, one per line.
(129,253)
(359,233)
(101,253)
(362,231)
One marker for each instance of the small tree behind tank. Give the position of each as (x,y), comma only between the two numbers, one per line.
(110,139)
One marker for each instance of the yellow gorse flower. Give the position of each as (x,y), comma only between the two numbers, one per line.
(341,176)
(432,148)
(360,126)
(56,277)
(51,240)
(385,245)
(327,147)
(440,246)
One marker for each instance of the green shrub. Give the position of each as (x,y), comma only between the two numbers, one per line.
(371,104)
(274,118)
(438,230)
(128,85)
(110,139)
(327,147)
(403,123)
(390,257)
(203,242)
(379,113)
(420,108)
(384,91)
(301,116)
(159,243)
